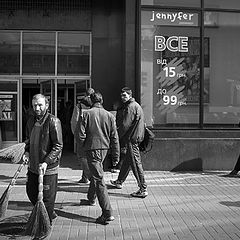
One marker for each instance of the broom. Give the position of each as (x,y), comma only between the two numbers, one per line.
(18,153)
(38,225)
(13,153)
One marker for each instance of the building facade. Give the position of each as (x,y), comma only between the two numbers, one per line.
(181,58)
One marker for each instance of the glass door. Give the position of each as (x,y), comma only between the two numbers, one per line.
(49,89)
(80,87)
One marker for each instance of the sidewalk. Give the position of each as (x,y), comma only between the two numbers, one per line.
(180,206)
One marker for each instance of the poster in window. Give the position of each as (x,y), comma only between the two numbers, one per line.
(189,61)
(6,109)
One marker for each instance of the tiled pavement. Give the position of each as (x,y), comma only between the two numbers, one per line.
(180,206)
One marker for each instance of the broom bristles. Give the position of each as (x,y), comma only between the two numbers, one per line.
(13,153)
(4,201)
(38,225)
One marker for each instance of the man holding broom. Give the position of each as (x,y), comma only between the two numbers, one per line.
(43,148)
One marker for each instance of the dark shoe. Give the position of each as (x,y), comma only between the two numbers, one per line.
(233,172)
(54,215)
(104,219)
(84,180)
(140,194)
(116,183)
(87,202)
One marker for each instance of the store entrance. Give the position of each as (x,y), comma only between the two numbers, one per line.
(62,95)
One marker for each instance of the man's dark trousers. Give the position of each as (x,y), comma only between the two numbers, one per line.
(97,186)
(49,190)
(133,160)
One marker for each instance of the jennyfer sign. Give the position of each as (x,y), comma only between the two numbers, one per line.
(178,18)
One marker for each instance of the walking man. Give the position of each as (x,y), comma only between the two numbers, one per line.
(43,149)
(86,103)
(130,125)
(97,131)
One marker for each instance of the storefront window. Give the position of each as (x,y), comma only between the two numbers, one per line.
(9,53)
(170,71)
(8,111)
(164,3)
(73,53)
(223,32)
(230,4)
(39,52)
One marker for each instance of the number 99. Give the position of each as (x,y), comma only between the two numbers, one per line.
(172,100)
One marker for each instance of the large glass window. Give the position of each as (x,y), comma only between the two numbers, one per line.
(223,31)
(38,52)
(170,70)
(229,4)
(9,52)
(164,3)
(73,53)
(8,111)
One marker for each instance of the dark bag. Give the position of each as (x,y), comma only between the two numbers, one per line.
(146,145)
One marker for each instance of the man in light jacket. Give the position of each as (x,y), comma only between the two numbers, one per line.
(85,102)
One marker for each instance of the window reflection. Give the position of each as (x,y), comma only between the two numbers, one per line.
(73,53)
(39,53)
(9,52)
(230,4)
(224,93)
(182,3)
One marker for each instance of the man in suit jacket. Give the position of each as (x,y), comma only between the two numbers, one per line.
(97,131)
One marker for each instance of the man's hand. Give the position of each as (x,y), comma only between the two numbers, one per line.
(115,162)
(26,157)
(43,166)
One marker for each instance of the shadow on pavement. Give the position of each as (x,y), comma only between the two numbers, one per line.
(20,206)
(230,204)
(125,195)
(80,189)
(14,226)
(75,216)
(230,176)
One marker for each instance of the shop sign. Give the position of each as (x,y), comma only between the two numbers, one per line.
(164,18)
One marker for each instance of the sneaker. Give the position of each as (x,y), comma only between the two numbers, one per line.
(233,172)
(116,184)
(87,202)
(115,170)
(104,219)
(84,180)
(140,193)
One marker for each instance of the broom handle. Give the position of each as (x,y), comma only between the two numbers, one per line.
(13,181)
(40,185)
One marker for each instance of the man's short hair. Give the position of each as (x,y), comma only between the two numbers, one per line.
(96,97)
(127,90)
(39,95)
(89,91)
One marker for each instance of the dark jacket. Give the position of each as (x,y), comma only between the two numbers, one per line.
(51,143)
(130,122)
(97,130)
